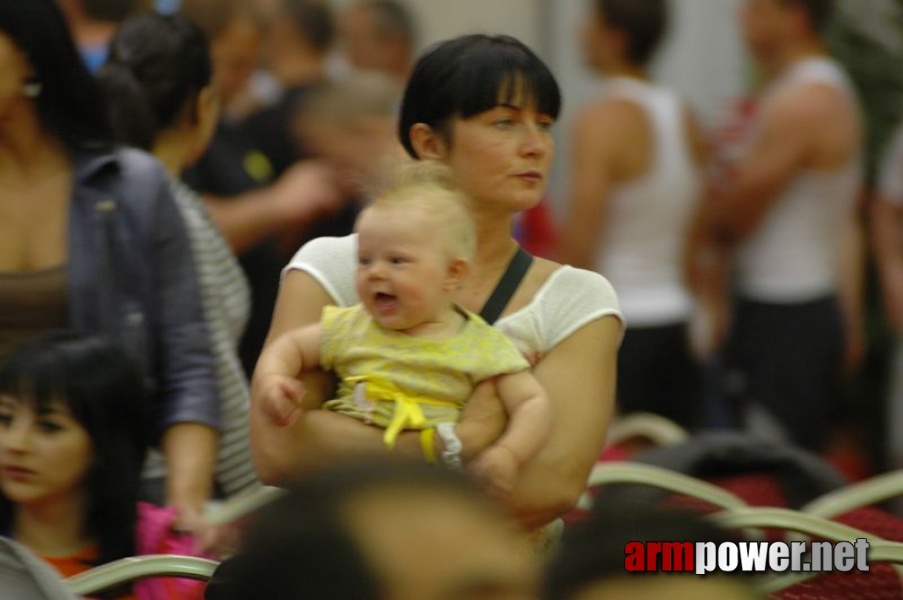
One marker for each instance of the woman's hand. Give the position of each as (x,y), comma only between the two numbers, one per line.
(190,452)
(211,539)
(496,469)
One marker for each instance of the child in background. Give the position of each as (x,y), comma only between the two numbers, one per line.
(407,357)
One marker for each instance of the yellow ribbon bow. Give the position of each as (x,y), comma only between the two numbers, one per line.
(407,413)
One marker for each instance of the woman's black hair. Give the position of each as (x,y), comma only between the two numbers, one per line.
(645,23)
(105,392)
(470,74)
(157,67)
(70,105)
(112,11)
(820,12)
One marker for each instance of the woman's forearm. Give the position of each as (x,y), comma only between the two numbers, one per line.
(320,439)
(579,377)
(548,489)
(190,451)
(302,194)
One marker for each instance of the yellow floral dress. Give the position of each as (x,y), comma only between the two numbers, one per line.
(400,382)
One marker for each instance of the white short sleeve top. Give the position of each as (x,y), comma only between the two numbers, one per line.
(569,299)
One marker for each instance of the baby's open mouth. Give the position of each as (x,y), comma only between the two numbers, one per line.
(384,300)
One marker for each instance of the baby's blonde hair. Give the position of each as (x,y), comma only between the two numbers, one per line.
(431,186)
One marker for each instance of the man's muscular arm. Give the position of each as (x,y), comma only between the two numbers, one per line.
(792,130)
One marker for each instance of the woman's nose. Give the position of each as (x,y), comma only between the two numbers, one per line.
(15,437)
(536,142)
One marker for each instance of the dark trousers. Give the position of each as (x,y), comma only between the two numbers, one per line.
(657,373)
(787,358)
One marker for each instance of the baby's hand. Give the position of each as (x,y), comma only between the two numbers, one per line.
(496,468)
(279,397)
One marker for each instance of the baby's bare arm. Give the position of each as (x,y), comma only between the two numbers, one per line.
(291,353)
(275,385)
(529,414)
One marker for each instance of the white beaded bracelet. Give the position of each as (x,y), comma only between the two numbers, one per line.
(452,446)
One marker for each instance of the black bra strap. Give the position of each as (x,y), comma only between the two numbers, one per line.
(507,285)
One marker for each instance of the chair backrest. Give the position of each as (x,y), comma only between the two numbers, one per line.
(663,479)
(112,575)
(858,495)
(881,581)
(721,456)
(653,428)
(242,505)
(842,585)
(788,520)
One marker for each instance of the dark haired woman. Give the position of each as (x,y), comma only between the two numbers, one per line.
(158,87)
(73,439)
(485,107)
(91,239)
(72,443)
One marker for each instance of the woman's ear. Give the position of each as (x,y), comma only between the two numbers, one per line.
(207,107)
(458,270)
(428,143)
(203,121)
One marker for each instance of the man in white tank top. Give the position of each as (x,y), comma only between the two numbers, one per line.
(787,211)
(636,182)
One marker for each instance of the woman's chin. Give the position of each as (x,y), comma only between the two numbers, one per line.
(511,205)
(527,197)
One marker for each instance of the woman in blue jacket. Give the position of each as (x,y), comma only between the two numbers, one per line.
(90,238)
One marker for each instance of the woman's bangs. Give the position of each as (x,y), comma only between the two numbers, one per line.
(511,78)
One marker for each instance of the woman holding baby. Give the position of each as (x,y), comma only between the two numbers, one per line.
(483,106)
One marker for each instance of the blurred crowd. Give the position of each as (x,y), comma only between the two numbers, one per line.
(747,261)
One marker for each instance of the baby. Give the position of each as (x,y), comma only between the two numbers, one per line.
(407,357)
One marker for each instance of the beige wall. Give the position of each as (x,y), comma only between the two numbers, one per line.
(440,19)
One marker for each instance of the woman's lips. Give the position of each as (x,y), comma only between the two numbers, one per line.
(17,472)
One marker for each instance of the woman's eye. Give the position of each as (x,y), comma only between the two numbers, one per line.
(6,418)
(504,123)
(49,426)
(545,125)
(398,260)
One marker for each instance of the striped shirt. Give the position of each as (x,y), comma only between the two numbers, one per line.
(226,299)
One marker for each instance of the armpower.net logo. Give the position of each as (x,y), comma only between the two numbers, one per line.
(749,557)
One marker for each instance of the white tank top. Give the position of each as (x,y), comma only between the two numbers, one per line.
(641,253)
(793,255)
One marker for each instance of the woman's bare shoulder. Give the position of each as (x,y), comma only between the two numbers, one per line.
(561,299)
(539,275)
(550,277)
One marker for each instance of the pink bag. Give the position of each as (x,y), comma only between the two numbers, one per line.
(155,536)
